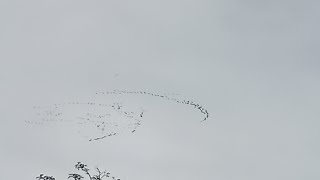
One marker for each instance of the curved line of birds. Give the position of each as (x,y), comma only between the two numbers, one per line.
(164,96)
(105,122)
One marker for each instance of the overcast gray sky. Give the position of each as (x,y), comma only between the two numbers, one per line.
(253,64)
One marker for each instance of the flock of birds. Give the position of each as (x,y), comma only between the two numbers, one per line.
(95,121)
(180,101)
(105,120)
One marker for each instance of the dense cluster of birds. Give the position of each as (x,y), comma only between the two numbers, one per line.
(106,119)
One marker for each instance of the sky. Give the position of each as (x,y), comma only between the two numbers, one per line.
(254,65)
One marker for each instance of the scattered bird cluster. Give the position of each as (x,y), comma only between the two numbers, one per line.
(105,120)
